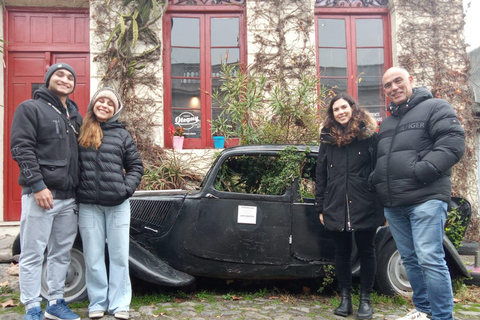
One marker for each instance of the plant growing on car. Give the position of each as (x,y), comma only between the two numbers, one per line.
(455,225)
(288,167)
(329,277)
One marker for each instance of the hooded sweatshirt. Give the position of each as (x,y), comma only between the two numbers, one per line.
(109,175)
(44,144)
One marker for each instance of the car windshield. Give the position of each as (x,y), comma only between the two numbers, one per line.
(266,174)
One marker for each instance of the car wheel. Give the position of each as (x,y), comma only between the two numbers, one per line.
(391,278)
(75,285)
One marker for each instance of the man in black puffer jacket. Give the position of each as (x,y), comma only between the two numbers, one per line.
(417,147)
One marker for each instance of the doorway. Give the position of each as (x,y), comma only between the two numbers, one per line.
(28,57)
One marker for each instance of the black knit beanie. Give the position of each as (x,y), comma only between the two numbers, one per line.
(57,66)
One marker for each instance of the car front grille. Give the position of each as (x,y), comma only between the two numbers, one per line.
(152,212)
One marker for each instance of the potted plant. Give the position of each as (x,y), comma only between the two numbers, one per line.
(178,136)
(221,129)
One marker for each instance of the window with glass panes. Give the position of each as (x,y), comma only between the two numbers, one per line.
(196,46)
(353,53)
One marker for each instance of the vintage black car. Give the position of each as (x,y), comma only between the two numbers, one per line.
(252,217)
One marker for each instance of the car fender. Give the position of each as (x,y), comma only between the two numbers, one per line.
(146,266)
(383,236)
(453,259)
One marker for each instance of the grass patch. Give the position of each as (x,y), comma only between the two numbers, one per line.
(9,294)
(207,296)
(150,299)
(199,308)
(181,295)
(76,305)
(463,307)
(5,290)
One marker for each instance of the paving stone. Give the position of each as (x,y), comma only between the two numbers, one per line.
(208,314)
(187,314)
(255,315)
(301,309)
(470,313)
(229,313)
(147,310)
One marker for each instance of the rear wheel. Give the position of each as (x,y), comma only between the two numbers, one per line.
(391,278)
(75,285)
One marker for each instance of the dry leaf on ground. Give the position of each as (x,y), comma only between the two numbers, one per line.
(13,270)
(8,304)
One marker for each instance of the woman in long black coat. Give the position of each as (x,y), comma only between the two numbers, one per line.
(343,197)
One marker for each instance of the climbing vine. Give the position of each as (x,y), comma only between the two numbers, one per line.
(130,60)
(434,52)
(282,32)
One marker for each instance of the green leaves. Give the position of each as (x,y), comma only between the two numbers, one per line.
(135,25)
(455,225)
(287,113)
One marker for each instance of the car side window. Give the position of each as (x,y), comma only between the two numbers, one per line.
(250,174)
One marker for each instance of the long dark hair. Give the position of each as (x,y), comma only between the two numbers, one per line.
(343,135)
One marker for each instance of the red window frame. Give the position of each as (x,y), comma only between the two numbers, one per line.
(350,15)
(204,14)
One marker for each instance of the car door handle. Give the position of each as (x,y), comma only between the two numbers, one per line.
(209,195)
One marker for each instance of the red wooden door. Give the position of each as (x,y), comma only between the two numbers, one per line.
(38,38)
(26,74)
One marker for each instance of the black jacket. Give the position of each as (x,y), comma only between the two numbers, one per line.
(342,192)
(110,174)
(418,145)
(44,144)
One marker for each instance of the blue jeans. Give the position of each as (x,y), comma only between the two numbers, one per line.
(418,232)
(100,224)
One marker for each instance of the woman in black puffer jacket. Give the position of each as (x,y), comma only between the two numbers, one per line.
(343,197)
(110,171)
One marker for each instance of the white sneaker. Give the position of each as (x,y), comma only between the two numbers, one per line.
(121,315)
(96,314)
(415,315)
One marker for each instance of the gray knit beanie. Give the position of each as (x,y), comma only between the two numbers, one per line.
(56,67)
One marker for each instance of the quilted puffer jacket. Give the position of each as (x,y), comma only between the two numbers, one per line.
(417,148)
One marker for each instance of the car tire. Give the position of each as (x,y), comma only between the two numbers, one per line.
(75,285)
(391,278)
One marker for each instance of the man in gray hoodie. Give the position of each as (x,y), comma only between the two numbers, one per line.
(44,144)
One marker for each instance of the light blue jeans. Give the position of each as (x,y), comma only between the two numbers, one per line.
(418,232)
(39,228)
(110,225)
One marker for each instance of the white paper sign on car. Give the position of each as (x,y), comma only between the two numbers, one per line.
(247,215)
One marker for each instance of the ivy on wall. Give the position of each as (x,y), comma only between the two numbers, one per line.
(130,61)
(433,50)
(282,33)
